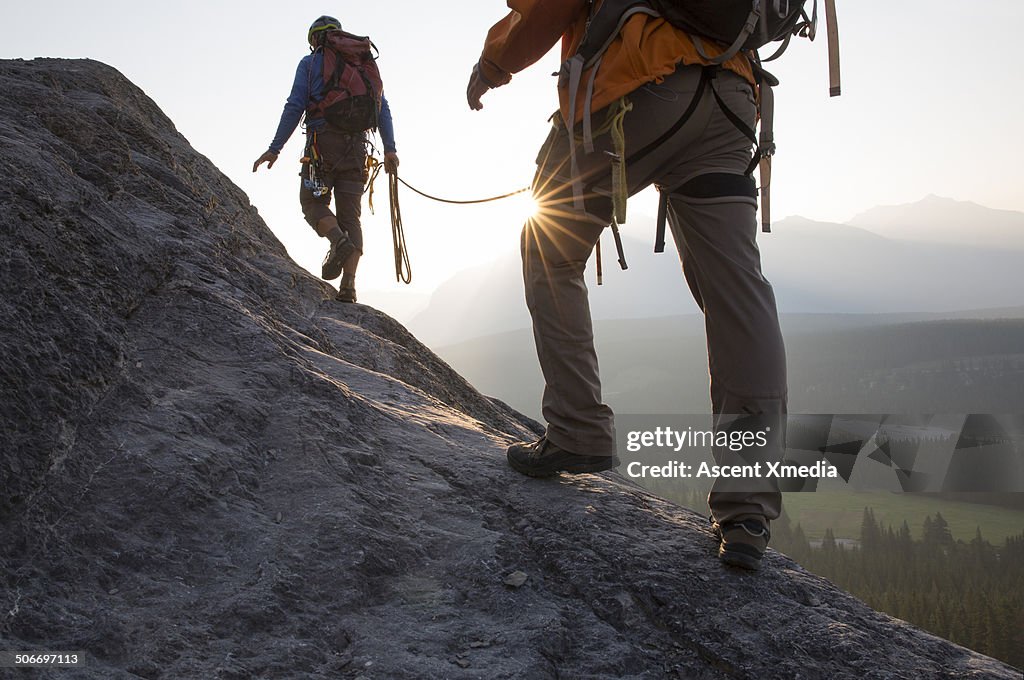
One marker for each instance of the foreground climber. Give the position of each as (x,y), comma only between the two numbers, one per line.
(681,117)
(339,90)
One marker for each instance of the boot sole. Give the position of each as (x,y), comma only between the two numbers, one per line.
(572,469)
(741,560)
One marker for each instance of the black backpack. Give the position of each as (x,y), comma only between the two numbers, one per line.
(740,24)
(745,24)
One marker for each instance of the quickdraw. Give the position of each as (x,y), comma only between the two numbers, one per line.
(313,163)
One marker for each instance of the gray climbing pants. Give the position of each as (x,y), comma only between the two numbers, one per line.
(343,173)
(700,159)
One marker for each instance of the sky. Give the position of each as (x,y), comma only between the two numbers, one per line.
(931,98)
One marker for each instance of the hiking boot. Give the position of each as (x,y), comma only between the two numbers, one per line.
(742,543)
(346,294)
(542,458)
(340,251)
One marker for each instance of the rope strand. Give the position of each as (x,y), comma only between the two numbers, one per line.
(449,200)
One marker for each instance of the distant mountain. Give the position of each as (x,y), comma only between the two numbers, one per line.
(944,220)
(919,363)
(816,267)
(834,268)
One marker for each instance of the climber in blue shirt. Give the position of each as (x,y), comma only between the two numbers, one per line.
(337,123)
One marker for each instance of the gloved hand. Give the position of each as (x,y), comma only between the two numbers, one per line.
(268,157)
(476,89)
(390,162)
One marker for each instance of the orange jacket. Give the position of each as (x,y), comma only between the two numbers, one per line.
(647,49)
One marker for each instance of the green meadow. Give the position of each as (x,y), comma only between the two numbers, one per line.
(843,512)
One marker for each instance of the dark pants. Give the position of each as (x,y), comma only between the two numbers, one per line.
(714,232)
(343,173)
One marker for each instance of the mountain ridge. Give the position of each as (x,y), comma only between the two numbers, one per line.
(938,219)
(815,267)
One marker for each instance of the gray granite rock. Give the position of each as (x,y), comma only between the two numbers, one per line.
(209,468)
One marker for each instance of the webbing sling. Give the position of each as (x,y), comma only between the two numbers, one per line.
(832,36)
(659,236)
(765,151)
(618,250)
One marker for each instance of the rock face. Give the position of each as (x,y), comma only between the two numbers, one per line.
(209,468)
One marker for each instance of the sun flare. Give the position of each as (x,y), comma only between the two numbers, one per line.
(525,205)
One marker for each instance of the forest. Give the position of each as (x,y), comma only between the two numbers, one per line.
(968,592)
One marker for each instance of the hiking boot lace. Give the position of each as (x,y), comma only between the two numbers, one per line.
(539,448)
(761,532)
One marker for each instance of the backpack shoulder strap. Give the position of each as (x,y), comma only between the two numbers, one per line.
(604,26)
(748,29)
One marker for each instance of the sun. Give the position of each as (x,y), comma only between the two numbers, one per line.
(524,204)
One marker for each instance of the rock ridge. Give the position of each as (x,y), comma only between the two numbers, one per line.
(209,468)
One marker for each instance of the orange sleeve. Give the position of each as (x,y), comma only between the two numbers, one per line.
(531,29)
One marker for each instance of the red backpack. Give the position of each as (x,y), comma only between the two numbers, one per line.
(352,85)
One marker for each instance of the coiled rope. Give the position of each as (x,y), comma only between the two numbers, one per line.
(403,269)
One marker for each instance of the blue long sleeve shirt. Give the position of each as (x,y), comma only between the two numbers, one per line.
(309,86)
